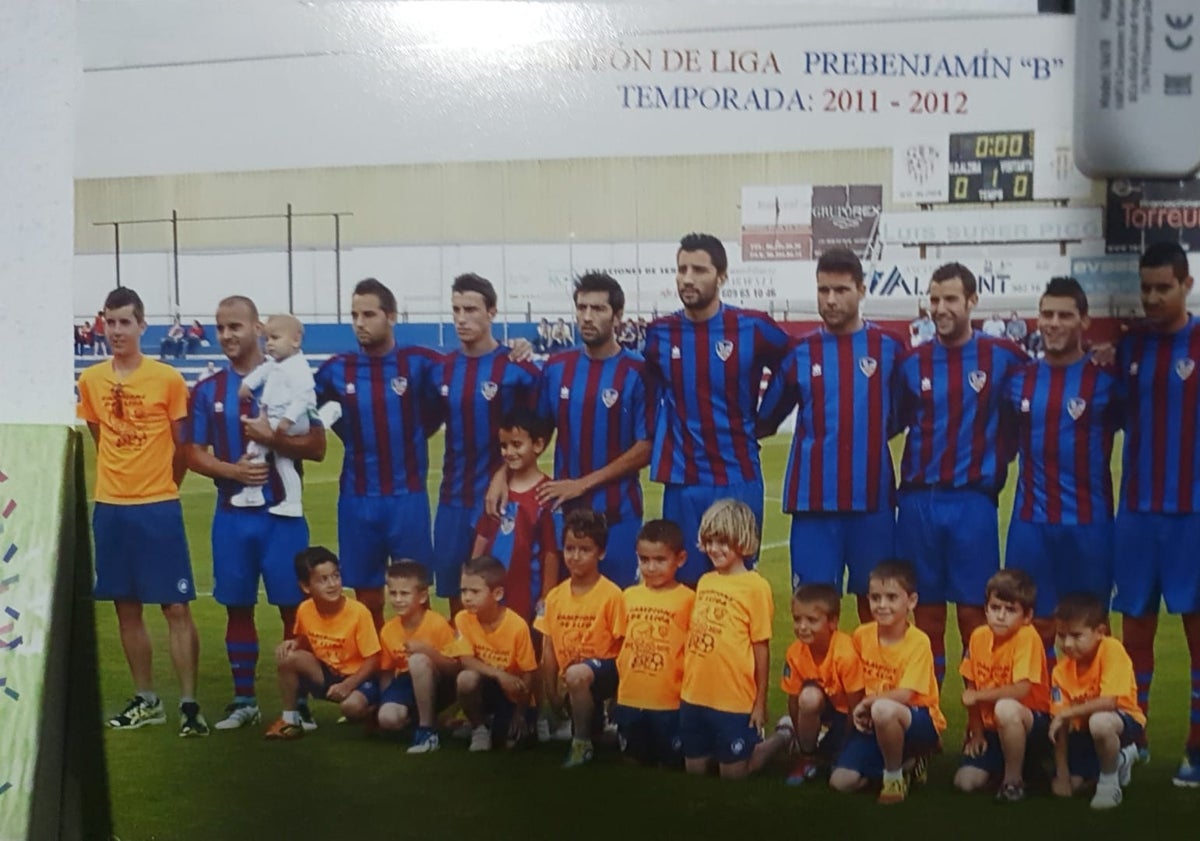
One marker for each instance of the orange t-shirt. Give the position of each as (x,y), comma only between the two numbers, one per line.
(731,613)
(989,665)
(1109,675)
(581,627)
(136,451)
(508,648)
(393,636)
(906,665)
(342,640)
(654,626)
(839,675)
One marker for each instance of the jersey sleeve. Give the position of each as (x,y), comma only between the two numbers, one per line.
(616,614)
(544,618)
(643,408)
(782,395)
(323,382)
(387,657)
(1027,664)
(199,429)
(85,409)
(365,635)
(850,670)
(1116,671)
(772,343)
(967,668)
(918,670)
(461,646)
(762,612)
(547,530)
(1058,697)
(545,408)
(523,654)
(790,682)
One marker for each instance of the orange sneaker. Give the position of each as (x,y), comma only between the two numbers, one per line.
(284,731)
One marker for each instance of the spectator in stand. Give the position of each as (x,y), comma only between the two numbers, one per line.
(641,334)
(922,329)
(99,342)
(173,342)
(993,326)
(83,338)
(197,337)
(1016,329)
(544,334)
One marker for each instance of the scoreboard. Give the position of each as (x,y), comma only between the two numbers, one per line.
(994,166)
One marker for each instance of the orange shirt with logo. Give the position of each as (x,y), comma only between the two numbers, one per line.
(1109,675)
(582,627)
(342,640)
(907,664)
(839,674)
(990,665)
(393,637)
(508,647)
(654,627)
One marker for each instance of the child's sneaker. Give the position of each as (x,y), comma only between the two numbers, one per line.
(191,722)
(1126,759)
(919,773)
(306,717)
(1188,775)
(138,713)
(481,739)
(1107,796)
(581,753)
(239,715)
(807,767)
(425,740)
(893,791)
(284,731)
(1010,793)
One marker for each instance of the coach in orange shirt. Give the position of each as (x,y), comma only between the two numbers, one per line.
(135,409)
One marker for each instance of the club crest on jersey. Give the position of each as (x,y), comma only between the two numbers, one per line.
(218,407)
(609,396)
(488,389)
(816,369)
(508,524)
(868,365)
(564,393)
(1133,369)
(1076,406)
(724,349)
(445,390)
(675,352)
(1184,368)
(1025,407)
(977,380)
(400,385)
(351,388)
(926,384)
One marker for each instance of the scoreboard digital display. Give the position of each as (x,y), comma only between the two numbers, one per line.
(994,166)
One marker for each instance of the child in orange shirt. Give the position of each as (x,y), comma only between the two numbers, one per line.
(822,678)
(496,653)
(415,674)
(335,652)
(654,631)
(1093,698)
(579,643)
(1008,689)
(727,663)
(899,718)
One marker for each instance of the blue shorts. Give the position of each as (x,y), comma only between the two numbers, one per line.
(401,691)
(861,751)
(453,539)
(329,678)
(836,729)
(620,564)
(502,710)
(1062,559)
(373,528)
(1155,557)
(952,538)
(708,733)
(825,545)
(686,504)
(1082,760)
(651,737)
(991,760)
(248,543)
(142,553)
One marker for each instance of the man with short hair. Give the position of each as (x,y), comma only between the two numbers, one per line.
(136,411)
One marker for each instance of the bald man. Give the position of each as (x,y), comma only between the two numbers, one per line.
(288,396)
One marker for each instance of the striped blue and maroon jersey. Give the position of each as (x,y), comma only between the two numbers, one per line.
(709,376)
(1161,470)
(522,539)
(476,392)
(842,387)
(1065,417)
(600,409)
(386,404)
(950,401)
(214,420)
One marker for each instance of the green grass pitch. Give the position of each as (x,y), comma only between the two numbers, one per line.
(337,784)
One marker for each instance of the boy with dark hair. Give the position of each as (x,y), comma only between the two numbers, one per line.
(654,630)
(899,718)
(498,662)
(1007,693)
(1093,697)
(335,653)
(822,678)
(525,538)
(415,673)
(580,642)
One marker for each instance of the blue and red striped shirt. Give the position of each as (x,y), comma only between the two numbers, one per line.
(950,399)
(1161,471)
(214,420)
(600,409)
(522,540)
(476,392)
(842,386)
(709,375)
(1065,416)
(387,402)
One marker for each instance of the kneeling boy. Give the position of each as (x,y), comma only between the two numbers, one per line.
(335,653)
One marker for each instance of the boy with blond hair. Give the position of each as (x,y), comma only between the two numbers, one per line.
(1093,697)
(822,678)
(579,642)
(654,630)
(899,718)
(727,665)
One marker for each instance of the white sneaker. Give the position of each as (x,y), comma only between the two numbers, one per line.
(1126,759)
(1108,796)
(248,498)
(564,732)
(481,739)
(543,730)
(239,715)
(287,509)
